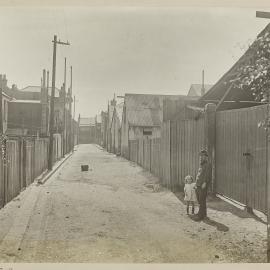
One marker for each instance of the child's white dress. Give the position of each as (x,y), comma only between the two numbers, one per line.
(190,194)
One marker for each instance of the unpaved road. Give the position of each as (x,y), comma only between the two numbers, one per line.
(117,213)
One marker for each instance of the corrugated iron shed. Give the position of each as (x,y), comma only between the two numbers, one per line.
(146,109)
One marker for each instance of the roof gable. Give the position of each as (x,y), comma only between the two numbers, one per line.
(195,89)
(146,109)
(37,89)
(223,84)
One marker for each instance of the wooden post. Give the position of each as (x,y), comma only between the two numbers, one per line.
(1,110)
(210,135)
(43,100)
(268,183)
(51,127)
(47,102)
(64,112)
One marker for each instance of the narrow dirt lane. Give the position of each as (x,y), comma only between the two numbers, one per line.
(115,212)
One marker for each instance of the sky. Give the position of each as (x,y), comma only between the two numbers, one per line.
(154,50)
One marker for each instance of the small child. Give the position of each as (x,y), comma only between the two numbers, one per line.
(190,194)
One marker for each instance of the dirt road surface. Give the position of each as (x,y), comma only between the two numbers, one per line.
(117,213)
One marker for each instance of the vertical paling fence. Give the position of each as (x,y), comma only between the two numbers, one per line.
(140,152)
(2,179)
(241,156)
(57,147)
(155,167)
(22,160)
(41,156)
(165,148)
(133,150)
(13,185)
(147,154)
(187,139)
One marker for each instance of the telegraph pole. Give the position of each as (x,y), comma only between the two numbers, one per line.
(51,127)
(73,124)
(266,15)
(64,111)
(1,97)
(47,101)
(71,136)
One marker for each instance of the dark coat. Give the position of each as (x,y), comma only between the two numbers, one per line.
(204,174)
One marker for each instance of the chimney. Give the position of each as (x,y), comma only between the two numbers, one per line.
(203,89)
(113,102)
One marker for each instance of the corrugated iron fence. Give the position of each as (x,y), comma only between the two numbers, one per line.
(22,160)
(236,145)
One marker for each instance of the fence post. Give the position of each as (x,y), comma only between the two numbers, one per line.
(268,190)
(210,136)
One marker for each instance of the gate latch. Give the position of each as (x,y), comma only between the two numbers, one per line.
(246,154)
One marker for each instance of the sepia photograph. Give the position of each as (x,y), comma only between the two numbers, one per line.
(134,132)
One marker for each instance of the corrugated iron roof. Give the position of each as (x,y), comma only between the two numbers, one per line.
(195,89)
(146,109)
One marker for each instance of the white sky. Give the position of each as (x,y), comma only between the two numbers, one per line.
(124,50)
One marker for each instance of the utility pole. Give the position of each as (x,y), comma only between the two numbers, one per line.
(51,127)
(47,101)
(73,124)
(71,135)
(266,15)
(1,110)
(79,120)
(64,111)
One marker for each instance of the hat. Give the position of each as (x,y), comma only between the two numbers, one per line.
(203,153)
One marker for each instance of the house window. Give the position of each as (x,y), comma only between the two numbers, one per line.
(147,132)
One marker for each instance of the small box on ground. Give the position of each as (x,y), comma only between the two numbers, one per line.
(84,168)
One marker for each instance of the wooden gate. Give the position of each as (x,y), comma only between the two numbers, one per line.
(241,156)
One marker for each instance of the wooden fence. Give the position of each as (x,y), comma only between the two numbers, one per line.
(237,150)
(187,139)
(21,161)
(241,164)
(146,153)
(165,148)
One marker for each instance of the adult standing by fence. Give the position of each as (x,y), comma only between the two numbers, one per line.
(203,180)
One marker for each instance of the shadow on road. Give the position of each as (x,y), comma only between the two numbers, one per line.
(220,227)
(217,204)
